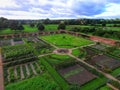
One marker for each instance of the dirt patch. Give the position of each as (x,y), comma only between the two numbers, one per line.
(103,40)
(62,51)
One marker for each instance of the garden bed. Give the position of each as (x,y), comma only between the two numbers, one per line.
(105,61)
(76,74)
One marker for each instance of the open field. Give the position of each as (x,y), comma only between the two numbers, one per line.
(66,41)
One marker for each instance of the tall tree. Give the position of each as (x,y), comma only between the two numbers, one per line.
(61,25)
(41,27)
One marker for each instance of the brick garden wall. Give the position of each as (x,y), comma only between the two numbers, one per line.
(103,40)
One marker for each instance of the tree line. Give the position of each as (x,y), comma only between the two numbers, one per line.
(98,32)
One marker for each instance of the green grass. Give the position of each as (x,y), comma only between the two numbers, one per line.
(79,52)
(51,27)
(55,59)
(92,85)
(63,84)
(105,88)
(69,27)
(66,41)
(41,82)
(116,52)
(116,72)
(48,27)
(27,28)
(112,28)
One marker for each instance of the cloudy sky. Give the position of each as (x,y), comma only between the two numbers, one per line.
(59,9)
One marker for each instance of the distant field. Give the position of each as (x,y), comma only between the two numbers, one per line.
(66,41)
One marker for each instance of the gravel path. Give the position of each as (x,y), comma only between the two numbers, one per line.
(21,72)
(33,69)
(15,72)
(38,66)
(8,75)
(28,72)
(1,73)
(12,42)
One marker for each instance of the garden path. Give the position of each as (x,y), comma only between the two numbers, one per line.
(15,72)
(28,72)
(33,69)
(38,67)
(21,72)
(1,73)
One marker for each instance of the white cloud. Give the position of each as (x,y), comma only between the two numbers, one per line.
(8,3)
(36,9)
(112,10)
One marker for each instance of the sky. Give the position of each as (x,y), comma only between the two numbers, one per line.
(59,9)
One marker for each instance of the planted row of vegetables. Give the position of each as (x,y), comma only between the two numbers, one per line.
(23,71)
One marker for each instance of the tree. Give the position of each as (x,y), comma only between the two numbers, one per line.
(20,27)
(41,27)
(3,23)
(47,21)
(61,25)
(104,24)
(32,25)
(13,25)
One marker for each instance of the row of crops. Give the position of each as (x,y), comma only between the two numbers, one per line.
(23,71)
(18,54)
(39,45)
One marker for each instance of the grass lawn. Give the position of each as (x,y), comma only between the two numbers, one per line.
(66,40)
(112,28)
(105,88)
(116,72)
(116,52)
(78,52)
(92,85)
(27,28)
(51,27)
(41,82)
(57,59)
(69,27)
